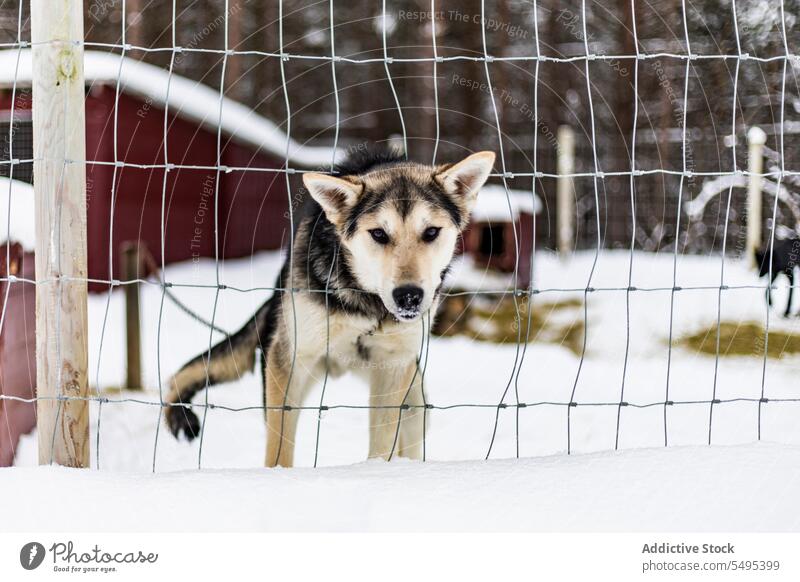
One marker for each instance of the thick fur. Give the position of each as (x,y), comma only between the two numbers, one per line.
(785,256)
(352,313)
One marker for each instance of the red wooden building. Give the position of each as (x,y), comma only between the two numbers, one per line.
(131,130)
(17,306)
(490,239)
(17,351)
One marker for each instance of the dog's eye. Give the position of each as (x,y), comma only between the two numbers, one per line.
(431,233)
(379,236)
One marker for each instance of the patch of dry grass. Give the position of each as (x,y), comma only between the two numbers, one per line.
(741,339)
(499,320)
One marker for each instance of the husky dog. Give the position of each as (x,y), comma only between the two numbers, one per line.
(783,258)
(369,256)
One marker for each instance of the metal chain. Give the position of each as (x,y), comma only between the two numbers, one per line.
(154,269)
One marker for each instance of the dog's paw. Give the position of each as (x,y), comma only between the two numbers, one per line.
(181,419)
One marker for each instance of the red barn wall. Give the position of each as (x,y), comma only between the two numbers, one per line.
(256,204)
(17,351)
(252,204)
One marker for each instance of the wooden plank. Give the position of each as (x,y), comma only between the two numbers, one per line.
(565,191)
(60,189)
(756,138)
(133,333)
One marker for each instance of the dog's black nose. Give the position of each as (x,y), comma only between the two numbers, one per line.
(408,297)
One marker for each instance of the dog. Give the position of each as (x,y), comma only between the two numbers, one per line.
(370,253)
(785,256)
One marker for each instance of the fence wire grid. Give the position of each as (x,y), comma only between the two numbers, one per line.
(509,396)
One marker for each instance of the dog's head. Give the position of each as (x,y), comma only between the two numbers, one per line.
(400,223)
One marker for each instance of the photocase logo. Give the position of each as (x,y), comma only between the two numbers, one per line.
(31,555)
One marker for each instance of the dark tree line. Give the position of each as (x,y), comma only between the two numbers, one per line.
(466,111)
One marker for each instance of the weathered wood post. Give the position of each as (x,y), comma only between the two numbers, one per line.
(756,138)
(565,191)
(133,333)
(59,177)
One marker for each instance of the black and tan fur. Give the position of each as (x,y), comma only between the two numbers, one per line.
(369,255)
(781,257)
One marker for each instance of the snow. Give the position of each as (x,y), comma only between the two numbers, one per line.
(759,19)
(22,227)
(462,371)
(711,489)
(493,204)
(713,187)
(643,486)
(465,274)
(184,97)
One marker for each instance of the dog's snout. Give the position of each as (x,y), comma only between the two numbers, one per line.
(408,297)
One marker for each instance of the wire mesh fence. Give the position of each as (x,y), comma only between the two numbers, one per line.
(631,186)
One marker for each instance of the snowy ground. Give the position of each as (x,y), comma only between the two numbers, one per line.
(718,489)
(461,371)
(687,486)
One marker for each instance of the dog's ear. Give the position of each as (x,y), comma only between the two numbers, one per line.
(463,180)
(335,195)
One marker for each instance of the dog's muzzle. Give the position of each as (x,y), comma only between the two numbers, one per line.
(408,299)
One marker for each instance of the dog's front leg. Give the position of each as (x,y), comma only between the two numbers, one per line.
(286,386)
(790,275)
(412,422)
(769,288)
(390,388)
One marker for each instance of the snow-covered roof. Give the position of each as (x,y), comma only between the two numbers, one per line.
(23,217)
(492,204)
(185,97)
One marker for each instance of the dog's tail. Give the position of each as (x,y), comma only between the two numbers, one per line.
(229,359)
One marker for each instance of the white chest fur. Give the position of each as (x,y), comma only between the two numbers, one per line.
(350,342)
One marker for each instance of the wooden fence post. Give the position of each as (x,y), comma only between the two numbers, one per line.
(565,191)
(756,138)
(60,191)
(133,332)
